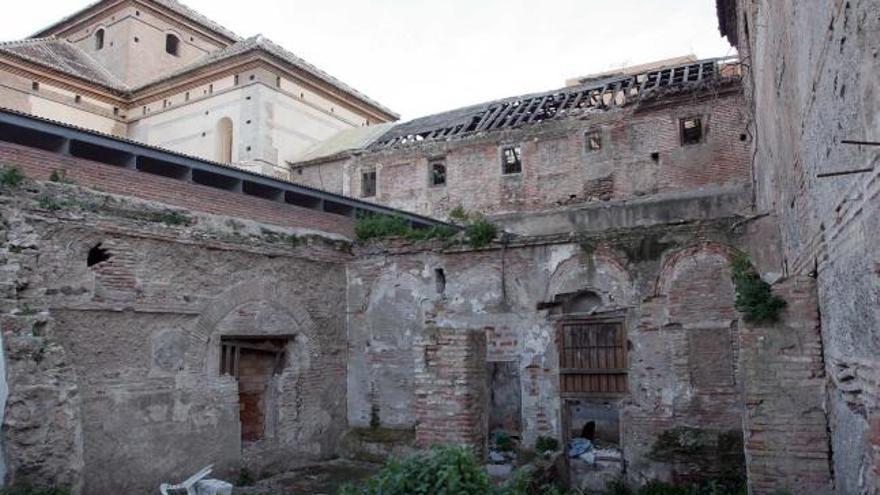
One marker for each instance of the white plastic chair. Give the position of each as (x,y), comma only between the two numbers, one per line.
(189,485)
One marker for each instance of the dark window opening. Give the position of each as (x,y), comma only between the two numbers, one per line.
(99,39)
(77,99)
(743,137)
(655,156)
(440,280)
(511,160)
(594,141)
(35,86)
(97,255)
(235,80)
(691,131)
(438,173)
(368,184)
(172,45)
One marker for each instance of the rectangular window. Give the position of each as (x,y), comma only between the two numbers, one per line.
(691,131)
(592,358)
(438,173)
(35,86)
(594,141)
(511,160)
(368,184)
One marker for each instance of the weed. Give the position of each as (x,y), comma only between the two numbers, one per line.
(28,489)
(51,203)
(754,297)
(245,477)
(60,176)
(480,232)
(546,444)
(11,177)
(504,442)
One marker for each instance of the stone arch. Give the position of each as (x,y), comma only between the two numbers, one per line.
(272,305)
(601,272)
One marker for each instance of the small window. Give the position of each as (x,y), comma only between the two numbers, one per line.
(172,45)
(511,160)
(35,86)
(235,80)
(99,39)
(438,173)
(368,184)
(691,131)
(594,141)
(77,99)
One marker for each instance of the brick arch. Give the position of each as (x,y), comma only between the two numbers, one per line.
(695,280)
(602,272)
(205,334)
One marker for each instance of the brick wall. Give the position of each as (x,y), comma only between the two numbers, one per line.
(450,387)
(39,165)
(786,440)
(558,169)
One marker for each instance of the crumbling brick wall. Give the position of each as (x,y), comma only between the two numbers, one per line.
(786,437)
(671,284)
(40,165)
(450,387)
(641,155)
(117,363)
(811,82)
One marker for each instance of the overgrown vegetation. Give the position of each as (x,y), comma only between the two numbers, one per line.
(27,489)
(754,297)
(476,231)
(504,442)
(245,477)
(712,487)
(449,470)
(60,176)
(546,444)
(52,203)
(11,177)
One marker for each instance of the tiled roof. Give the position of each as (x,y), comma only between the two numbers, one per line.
(64,57)
(260,42)
(172,5)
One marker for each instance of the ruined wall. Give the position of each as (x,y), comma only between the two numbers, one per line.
(671,284)
(641,155)
(117,180)
(113,317)
(812,85)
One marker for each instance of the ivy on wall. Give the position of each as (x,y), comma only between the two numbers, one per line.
(754,297)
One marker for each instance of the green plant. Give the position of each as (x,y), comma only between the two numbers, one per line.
(504,442)
(381,226)
(443,470)
(546,444)
(174,218)
(459,215)
(51,203)
(754,297)
(27,310)
(60,176)
(11,177)
(245,477)
(480,232)
(28,489)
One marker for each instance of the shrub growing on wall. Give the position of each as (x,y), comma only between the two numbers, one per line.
(754,297)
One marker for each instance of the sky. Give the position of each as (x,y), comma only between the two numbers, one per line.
(420,57)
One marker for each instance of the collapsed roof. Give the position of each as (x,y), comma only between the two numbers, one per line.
(603,93)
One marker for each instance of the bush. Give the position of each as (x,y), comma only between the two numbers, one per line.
(480,232)
(444,470)
(754,297)
(546,444)
(383,226)
(504,442)
(11,177)
(27,489)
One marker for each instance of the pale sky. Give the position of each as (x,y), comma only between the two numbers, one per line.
(425,56)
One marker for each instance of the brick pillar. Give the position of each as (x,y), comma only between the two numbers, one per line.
(451,387)
(786,436)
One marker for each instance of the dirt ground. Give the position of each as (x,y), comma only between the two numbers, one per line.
(318,479)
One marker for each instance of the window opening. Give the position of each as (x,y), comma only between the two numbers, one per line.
(511,160)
